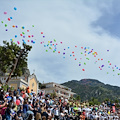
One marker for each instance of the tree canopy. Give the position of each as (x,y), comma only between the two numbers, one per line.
(13,58)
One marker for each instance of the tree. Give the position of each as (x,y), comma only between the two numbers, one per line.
(13,58)
(78,97)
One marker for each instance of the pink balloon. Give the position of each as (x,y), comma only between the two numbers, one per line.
(5,12)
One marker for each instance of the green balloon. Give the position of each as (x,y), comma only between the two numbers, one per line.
(54,40)
(46,50)
(32,25)
(23,33)
(5,25)
(53,51)
(1,21)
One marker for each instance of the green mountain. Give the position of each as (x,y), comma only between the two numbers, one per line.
(88,88)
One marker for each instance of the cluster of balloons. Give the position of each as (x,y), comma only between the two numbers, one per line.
(52,45)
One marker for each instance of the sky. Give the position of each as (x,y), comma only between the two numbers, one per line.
(82,23)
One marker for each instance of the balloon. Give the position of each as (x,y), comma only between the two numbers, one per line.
(61,42)
(81,53)
(23,27)
(5,13)
(15,36)
(83,69)
(110,64)
(79,64)
(8,19)
(81,47)
(18,42)
(32,35)
(72,52)
(70,55)
(41,32)
(11,18)
(58,51)
(1,21)
(43,36)
(73,55)
(27,30)
(46,50)
(64,57)
(13,26)
(29,36)
(75,58)
(34,42)
(53,51)
(23,36)
(23,33)
(102,66)
(75,46)
(15,8)
(32,25)
(107,50)
(54,40)
(16,26)
(6,30)
(101,58)
(44,45)
(50,41)
(84,63)
(5,25)
(28,40)
(68,47)
(64,49)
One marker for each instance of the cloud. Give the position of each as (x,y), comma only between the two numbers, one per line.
(78,23)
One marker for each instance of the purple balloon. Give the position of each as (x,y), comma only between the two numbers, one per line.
(64,49)
(64,53)
(16,26)
(23,36)
(50,41)
(79,64)
(6,30)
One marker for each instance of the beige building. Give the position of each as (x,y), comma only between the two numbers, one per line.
(60,90)
(31,81)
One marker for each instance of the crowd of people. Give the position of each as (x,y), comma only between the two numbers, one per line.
(25,105)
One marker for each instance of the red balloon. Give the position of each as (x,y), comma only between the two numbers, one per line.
(17,102)
(8,19)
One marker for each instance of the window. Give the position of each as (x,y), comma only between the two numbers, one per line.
(33,85)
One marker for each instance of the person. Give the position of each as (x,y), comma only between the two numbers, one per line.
(8,113)
(56,113)
(25,107)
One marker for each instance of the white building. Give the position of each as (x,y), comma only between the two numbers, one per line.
(60,90)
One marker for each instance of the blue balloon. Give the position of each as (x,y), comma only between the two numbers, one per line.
(15,8)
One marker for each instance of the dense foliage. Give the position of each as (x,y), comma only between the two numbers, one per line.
(88,89)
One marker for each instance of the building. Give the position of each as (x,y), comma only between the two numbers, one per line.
(60,90)
(31,81)
(22,82)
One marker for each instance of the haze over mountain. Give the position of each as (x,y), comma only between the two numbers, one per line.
(88,88)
